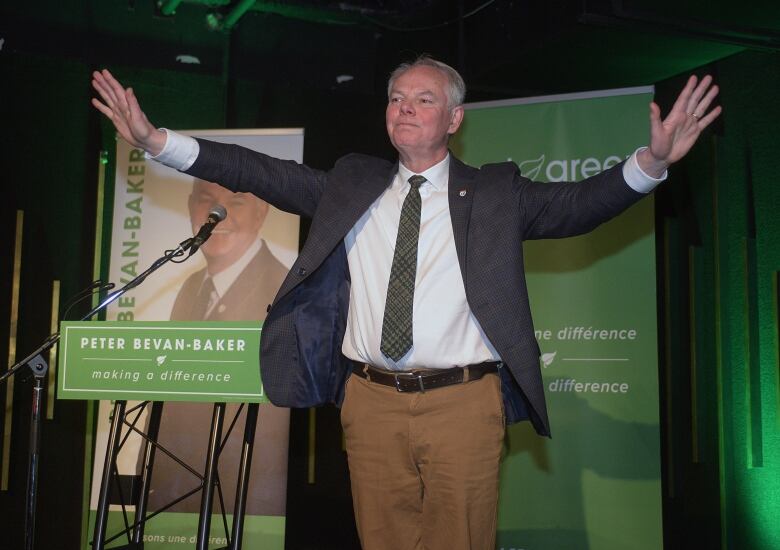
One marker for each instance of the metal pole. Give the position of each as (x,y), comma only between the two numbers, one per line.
(236,13)
(212,460)
(146,474)
(34,459)
(244,467)
(101,515)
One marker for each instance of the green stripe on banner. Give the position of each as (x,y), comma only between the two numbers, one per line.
(597,484)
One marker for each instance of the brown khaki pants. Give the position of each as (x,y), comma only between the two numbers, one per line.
(424,466)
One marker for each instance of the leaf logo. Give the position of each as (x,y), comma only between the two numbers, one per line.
(161,360)
(531,168)
(548,358)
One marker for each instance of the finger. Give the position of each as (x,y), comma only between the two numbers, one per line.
(136,114)
(657,130)
(132,103)
(116,88)
(697,94)
(704,104)
(712,115)
(682,100)
(655,115)
(119,123)
(105,90)
(103,108)
(100,86)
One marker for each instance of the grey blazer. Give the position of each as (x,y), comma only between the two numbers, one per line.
(301,358)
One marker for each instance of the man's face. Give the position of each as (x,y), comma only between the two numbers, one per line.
(233,236)
(417,117)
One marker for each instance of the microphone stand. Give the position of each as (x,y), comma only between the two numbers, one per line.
(39,368)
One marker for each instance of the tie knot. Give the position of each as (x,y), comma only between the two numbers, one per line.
(416,181)
(207,285)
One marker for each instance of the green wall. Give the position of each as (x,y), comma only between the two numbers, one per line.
(720,252)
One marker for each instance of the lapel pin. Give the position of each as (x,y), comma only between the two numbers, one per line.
(462,193)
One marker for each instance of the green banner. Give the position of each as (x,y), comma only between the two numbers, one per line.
(597,484)
(160,361)
(245,260)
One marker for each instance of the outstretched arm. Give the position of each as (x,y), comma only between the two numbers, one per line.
(287,185)
(122,109)
(672,137)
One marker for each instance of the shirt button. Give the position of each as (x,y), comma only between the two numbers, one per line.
(302,271)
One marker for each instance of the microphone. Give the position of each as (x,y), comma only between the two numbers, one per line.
(216,215)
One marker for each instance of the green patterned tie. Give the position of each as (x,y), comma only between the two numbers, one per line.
(397,321)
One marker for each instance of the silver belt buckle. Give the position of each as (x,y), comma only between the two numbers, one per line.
(408,375)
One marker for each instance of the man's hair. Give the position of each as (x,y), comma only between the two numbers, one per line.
(456,88)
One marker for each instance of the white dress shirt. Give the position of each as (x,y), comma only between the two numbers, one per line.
(445,332)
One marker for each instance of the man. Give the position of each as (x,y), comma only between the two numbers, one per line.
(415,285)
(240,279)
(244,272)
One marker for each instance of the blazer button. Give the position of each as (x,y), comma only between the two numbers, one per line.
(302,271)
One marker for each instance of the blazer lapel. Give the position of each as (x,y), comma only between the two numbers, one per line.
(461,192)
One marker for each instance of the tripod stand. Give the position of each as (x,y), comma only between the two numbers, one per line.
(39,369)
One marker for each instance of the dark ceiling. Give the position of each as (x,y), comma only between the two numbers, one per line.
(504,48)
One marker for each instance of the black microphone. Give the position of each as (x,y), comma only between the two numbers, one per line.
(216,215)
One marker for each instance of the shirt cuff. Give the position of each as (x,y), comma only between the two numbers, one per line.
(636,178)
(180,151)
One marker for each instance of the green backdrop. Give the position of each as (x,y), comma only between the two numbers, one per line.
(597,483)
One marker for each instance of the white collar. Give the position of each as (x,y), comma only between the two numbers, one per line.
(225,278)
(437,175)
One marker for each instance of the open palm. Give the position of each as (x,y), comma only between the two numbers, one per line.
(121,107)
(672,137)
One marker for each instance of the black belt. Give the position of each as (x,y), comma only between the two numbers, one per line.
(424,379)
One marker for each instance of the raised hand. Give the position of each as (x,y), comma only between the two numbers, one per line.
(672,137)
(121,107)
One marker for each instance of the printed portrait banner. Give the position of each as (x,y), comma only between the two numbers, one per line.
(232,277)
(160,360)
(596,485)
